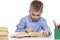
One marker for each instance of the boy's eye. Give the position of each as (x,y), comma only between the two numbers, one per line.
(38,15)
(33,14)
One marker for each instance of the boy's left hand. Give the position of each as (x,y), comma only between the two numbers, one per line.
(45,33)
(29,30)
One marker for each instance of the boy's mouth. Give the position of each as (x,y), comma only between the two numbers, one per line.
(34,20)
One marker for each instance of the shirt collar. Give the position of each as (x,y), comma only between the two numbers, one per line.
(32,20)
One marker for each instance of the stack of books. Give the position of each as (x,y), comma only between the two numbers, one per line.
(3,33)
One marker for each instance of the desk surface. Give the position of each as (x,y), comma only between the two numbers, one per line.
(31,38)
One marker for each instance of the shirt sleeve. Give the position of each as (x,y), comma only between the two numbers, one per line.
(45,26)
(21,26)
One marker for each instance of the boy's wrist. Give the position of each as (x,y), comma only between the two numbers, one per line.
(45,33)
(29,30)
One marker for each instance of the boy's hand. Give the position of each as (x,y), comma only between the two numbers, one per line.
(29,30)
(45,33)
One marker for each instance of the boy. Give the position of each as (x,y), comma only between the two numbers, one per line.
(34,22)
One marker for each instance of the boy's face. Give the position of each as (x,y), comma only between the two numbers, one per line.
(34,14)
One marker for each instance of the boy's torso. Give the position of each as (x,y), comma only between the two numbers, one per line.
(37,25)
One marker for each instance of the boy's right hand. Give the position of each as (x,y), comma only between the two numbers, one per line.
(29,30)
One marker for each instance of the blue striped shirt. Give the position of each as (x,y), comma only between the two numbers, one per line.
(26,22)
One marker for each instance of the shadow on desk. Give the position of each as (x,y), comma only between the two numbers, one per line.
(26,36)
(32,38)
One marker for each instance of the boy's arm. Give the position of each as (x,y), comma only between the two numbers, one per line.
(45,27)
(21,26)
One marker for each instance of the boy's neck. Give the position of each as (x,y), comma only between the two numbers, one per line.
(34,20)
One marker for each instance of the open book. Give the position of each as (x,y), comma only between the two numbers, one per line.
(24,34)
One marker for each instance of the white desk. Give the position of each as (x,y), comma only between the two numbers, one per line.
(31,38)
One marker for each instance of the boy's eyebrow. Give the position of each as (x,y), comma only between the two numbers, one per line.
(38,15)
(33,14)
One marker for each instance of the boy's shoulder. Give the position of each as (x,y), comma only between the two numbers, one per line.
(26,17)
(42,18)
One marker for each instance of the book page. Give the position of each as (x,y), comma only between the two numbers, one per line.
(20,34)
(4,29)
(24,34)
(35,34)
(3,33)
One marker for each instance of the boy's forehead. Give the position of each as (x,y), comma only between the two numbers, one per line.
(36,13)
(33,9)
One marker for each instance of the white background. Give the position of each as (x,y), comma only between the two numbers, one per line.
(11,11)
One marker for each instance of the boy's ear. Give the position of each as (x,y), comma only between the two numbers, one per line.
(29,10)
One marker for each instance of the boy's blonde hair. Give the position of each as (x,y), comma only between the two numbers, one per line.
(37,5)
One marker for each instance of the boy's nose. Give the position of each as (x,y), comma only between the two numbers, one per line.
(34,16)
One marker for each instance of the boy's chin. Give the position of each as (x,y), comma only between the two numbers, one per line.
(35,19)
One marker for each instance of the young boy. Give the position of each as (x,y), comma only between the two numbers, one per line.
(34,22)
